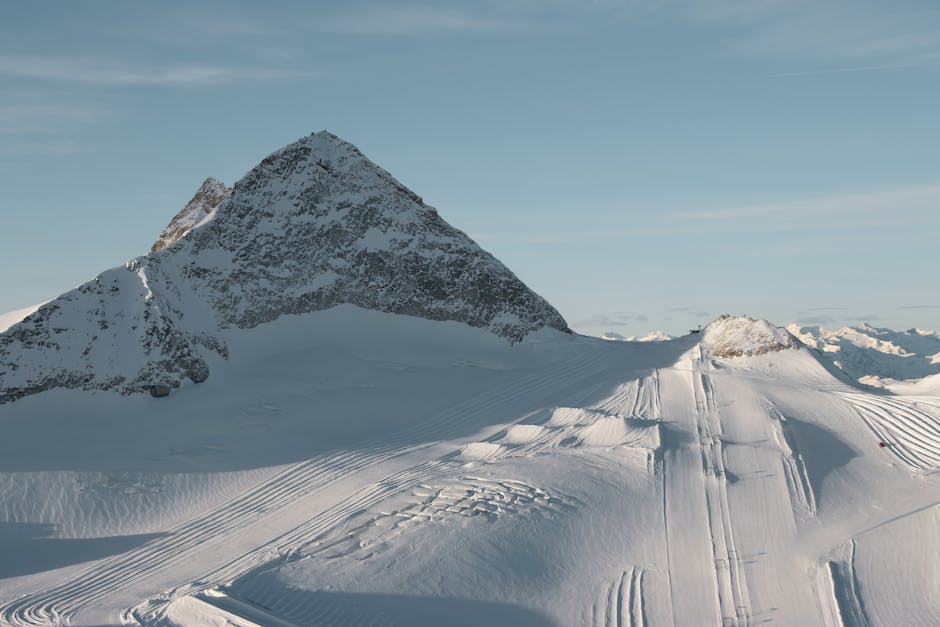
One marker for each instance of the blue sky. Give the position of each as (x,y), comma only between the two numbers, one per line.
(642,165)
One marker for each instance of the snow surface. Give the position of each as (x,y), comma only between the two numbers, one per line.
(354,467)
(873,355)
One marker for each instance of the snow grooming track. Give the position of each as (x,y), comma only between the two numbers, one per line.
(467,496)
(59,603)
(802,497)
(622,604)
(911,432)
(733,599)
(843,587)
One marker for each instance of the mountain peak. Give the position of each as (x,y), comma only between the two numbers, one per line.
(314,225)
(317,223)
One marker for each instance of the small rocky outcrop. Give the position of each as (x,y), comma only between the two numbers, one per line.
(731,336)
(207,199)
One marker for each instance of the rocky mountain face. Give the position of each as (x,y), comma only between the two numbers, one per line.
(207,199)
(314,225)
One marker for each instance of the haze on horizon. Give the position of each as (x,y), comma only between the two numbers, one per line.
(641,168)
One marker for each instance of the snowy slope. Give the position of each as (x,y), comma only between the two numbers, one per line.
(354,467)
(314,225)
(873,355)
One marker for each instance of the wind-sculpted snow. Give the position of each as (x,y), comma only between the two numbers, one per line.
(314,225)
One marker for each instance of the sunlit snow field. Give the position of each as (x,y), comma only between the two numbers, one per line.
(350,467)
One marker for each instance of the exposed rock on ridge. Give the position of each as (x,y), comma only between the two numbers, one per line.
(730,336)
(314,225)
(207,199)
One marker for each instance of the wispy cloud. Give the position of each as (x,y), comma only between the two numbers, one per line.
(379,19)
(836,220)
(44,119)
(899,34)
(693,310)
(104,73)
(808,309)
(45,147)
(860,68)
(918,307)
(893,202)
(619,319)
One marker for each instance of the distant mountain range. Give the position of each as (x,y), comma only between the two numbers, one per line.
(873,355)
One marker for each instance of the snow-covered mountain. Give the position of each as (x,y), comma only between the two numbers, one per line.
(873,355)
(314,225)
(397,432)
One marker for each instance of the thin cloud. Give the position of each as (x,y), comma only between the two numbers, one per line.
(862,68)
(44,119)
(918,307)
(414,20)
(611,320)
(892,201)
(885,35)
(42,148)
(816,320)
(98,73)
(823,309)
(693,310)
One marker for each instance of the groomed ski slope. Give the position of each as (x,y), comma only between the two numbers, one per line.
(351,467)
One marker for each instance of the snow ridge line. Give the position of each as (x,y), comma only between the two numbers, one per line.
(63,600)
(733,599)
